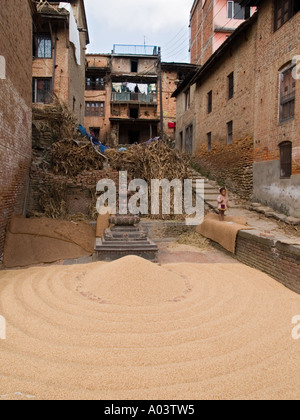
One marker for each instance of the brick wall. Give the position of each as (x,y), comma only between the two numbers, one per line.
(280,261)
(184,117)
(202,32)
(169,104)
(275,50)
(15,109)
(230,165)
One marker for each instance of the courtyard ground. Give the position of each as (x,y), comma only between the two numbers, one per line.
(132,329)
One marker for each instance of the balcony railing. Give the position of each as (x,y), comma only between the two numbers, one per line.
(150,98)
(135,49)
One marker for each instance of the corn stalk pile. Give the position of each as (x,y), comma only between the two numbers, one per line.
(71,159)
(58,119)
(71,154)
(151,162)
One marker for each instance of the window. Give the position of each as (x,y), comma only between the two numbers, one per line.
(284,11)
(95,83)
(94,109)
(230,9)
(230,132)
(230,86)
(209,144)
(42,47)
(285,159)
(133,113)
(187,99)
(287,95)
(42,91)
(235,11)
(209,102)
(134,66)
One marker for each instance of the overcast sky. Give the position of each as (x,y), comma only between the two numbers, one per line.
(163,23)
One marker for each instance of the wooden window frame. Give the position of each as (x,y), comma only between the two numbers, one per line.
(37,93)
(210,102)
(187,99)
(284,10)
(209,141)
(289,99)
(230,132)
(91,111)
(42,37)
(94,84)
(230,79)
(286,159)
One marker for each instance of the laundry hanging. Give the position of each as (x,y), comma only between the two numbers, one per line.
(73,30)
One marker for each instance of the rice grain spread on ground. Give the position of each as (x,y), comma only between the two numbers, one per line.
(134,330)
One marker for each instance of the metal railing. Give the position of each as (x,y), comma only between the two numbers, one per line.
(135,49)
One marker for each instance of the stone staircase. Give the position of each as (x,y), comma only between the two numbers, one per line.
(211,190)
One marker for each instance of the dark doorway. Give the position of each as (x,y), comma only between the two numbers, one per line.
(134,136)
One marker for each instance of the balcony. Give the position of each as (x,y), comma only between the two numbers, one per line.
(131,97)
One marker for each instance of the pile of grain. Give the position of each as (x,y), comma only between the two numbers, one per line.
(112,331)
(196,240)
(138,282)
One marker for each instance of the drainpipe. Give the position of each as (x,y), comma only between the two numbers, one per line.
(160,95)
(54,61)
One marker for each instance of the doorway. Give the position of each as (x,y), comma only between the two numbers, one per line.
(133,136)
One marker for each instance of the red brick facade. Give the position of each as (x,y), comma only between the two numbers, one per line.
(15,109)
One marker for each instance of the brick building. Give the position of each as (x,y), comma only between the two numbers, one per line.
(277,107)
(242,119)
(211,23)
(122,98)
(15,108)
(59,44)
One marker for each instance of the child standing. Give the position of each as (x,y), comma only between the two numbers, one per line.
(223,204)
